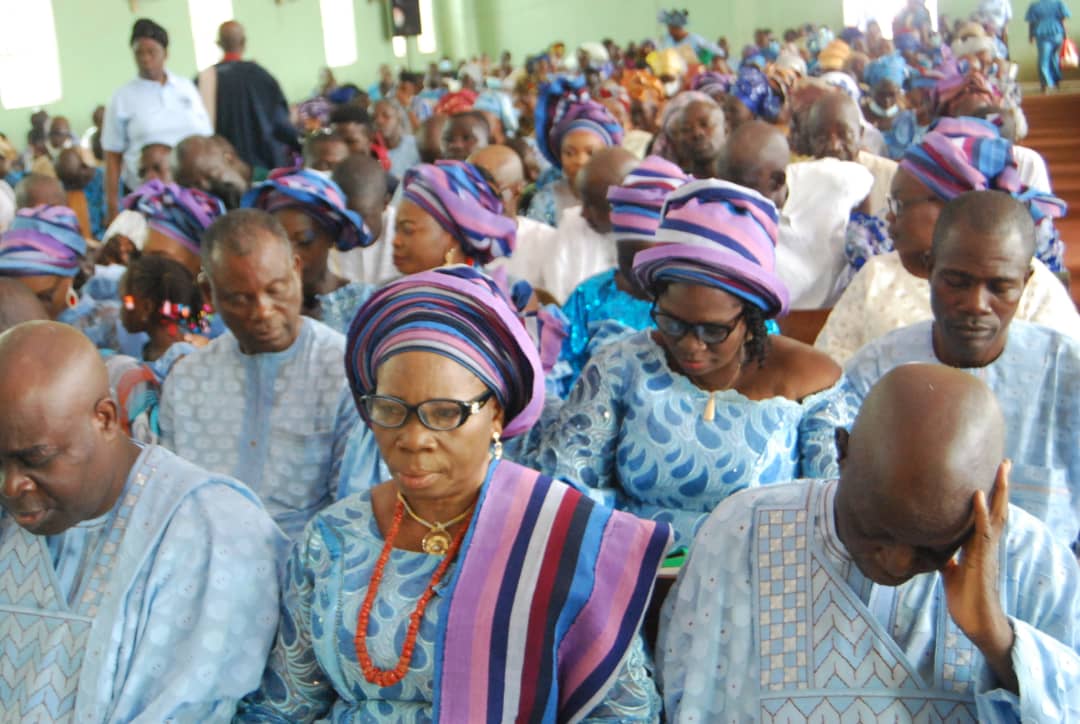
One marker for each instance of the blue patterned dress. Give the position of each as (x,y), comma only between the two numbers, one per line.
(340,306)
(634,430)
(313,672)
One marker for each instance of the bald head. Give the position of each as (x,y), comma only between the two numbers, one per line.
(834,127)
(927,437)
(18,304)
(65,451)
(363,181)
(506,168)
(231,37)
(607,167)
(972,218)
(756,156)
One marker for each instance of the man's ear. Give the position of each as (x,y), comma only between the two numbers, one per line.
(841,437)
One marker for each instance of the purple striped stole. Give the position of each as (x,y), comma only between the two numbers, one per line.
(549,592)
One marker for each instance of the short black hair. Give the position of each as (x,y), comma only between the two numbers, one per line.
(147,28)
(981,213)
(350,113)
(361,177)
(473,115)
(234,233)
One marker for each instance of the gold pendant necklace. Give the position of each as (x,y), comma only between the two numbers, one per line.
(437,541)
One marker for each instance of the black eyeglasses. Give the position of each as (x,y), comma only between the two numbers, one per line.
(439,415)
(707,332)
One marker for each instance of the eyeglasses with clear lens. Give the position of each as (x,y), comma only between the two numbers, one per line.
(707,332)
(439,415)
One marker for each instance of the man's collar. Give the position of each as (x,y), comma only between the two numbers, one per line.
(232,57)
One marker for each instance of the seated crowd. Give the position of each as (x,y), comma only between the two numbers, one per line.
(466,397)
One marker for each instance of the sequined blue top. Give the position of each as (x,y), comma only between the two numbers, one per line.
(635,430)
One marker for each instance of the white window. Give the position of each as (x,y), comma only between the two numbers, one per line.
(29,58)
(206,17)
(425,42)
(339,32)
(400,46)
(857,13)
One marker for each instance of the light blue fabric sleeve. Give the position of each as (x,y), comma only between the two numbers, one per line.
(294,687)
(633,697)
(823,413)
(165,416)
(580,448)
(361,466)
(543,206)
(347,421)
(207,616)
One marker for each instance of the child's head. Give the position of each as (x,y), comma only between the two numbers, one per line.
(158,291)
(323,150)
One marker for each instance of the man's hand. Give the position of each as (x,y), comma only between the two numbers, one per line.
(971,583)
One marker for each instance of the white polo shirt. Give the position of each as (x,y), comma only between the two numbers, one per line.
(143,112)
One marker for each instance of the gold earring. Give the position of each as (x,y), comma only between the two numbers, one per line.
(496,445)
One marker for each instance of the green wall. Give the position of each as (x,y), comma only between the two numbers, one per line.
(287,37)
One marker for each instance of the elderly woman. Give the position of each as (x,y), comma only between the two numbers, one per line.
(890,289)
(570,128)
(886,77)
(156,107)
(176,218)
(390,610)
(751,96)
(668,423)
(313,211)
(43,249)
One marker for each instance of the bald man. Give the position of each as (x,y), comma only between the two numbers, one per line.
(699,135)
(210,164)
(534,238)
(907,590)
(756,156)
(581,246)
(134,586)
(980,262)
(365,185)
(246,104)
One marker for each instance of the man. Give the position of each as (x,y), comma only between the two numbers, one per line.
(391,132)
(979,263)
(699,138)
(756,156)
(465,133)
(364,183)
(353,124)
(429,138)
(246,105)
(84,186)
(60,136)
(134,586)
(581,246)
(908,590)
(822,192)
(324,151)
(834,130)
(534,238)
(208,163)
(266,402)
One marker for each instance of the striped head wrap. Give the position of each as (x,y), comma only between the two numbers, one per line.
(318,197)
(956,84)
(42,241)
(717,234)
(637,202)
(565,106)
(888,67)
(968,154)
(752,87)
(457,312)
(461,200)
(180,213)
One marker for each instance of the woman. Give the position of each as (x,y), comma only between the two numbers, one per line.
(43,248)
(611,305)
(890,289)
(312,209)
(156,107)
(389,612)
(668,423)
(751,96)
(176,217)
(570,128)
(1046,28)
(886,77)
(451,214)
